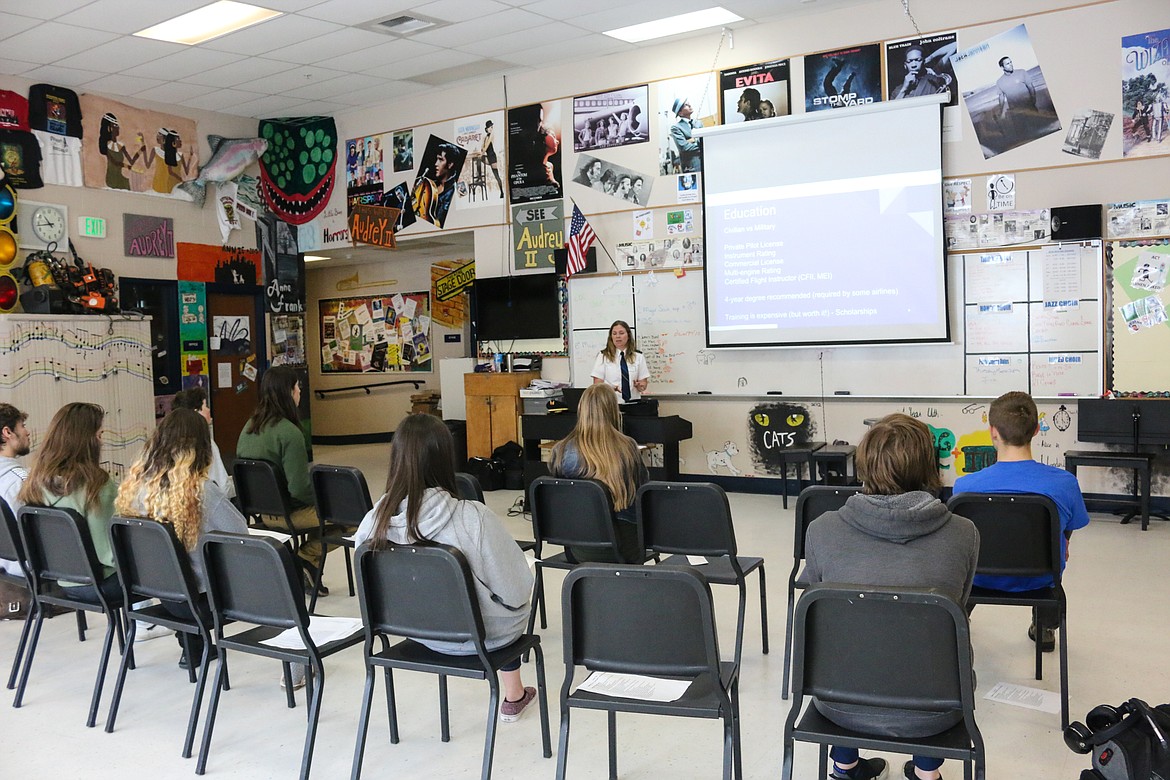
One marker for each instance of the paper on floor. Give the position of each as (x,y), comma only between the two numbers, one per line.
(1023,696)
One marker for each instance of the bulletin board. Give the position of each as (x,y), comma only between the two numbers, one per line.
(1139,332)
(381,333)
(1028,319)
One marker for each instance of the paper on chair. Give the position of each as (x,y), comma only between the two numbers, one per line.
(279,536)
(322,630)
(1023,696)
(696,560)
(634,686)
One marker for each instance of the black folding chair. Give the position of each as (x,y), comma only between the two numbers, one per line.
(470,490)
(59,549)
(814,501)
(1020,536)
(152,564)
(343,500)
(656,621)
(570,513)
(11,549)
(261,489)
(252,579)
(428,592)
(916,657)
(694,518)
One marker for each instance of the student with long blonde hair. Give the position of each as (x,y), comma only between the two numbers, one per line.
(171,483)
(67,474)
(597,449)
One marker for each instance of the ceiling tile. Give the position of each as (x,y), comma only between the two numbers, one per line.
(15,67)
(224,100)
(424,63)
(273,34)
(11,24)
(316,108)
(295,76)
(128,16)
(567,10)
(174,92)
(459,10)
(496,46)
(50,9)
(356,11)
(567,51)
(394,50)
(334,89)
(373,96)
(286,6)
(239,72)
(121,54)
(119,84)
(347,39)
(644,11)
(270,105)
(51,41)
(184,64)
(502,23)
(65,77)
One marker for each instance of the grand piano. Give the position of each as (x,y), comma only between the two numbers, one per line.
(667,431)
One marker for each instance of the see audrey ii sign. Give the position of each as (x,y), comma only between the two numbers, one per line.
(373,225)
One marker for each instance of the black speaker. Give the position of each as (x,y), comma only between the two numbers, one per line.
(1071,223)
(44,300)
(561,257)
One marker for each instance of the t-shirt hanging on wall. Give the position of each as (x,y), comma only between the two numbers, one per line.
(20,157)
(13,110)
(60,159)
(54,110)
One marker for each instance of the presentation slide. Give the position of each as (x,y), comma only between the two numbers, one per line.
(826,228)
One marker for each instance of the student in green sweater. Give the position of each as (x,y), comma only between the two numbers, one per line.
(67,474)
(273,433)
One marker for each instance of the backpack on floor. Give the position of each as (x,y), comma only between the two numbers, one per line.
(1130,742)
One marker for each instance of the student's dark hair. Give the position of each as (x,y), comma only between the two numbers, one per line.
(1015,416)
(752,95)
(171,148)
(422,456)
(276,401)
(192,398)
(897,455)
(10,417)
(69,457)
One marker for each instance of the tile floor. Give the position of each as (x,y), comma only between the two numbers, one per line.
(1117,627)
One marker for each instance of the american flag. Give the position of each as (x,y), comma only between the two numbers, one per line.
(581,236)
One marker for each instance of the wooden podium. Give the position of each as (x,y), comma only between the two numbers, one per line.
(493,409)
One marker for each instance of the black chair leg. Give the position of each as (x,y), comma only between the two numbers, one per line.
(489,742)
(197,701)
(788,642)
(28,660)
(444,714)
(107,645)
(359,750)
(612,723)
(736,733)
(185,640)
(120,682)
(542,692)
(563,744)
(728,746)
(82,625)
(20,645)
(289,693)
(317,671)
(209,726)
(1063,671)
(763,608)
(349,570)
(391,709)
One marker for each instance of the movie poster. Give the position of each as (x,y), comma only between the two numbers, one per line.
(534,152)
(847,77)
(363,171)
(1005,92)
(1086,133)
(613,180)
(617,118)
(400,198)
(403,141)
(434,187)
(922,66)
(479,182)
(684,105)
(759,91)
(1145,101)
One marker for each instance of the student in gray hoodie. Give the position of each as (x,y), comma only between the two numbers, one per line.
(894,533)
(420,504)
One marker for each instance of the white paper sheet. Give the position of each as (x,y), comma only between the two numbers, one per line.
(322,630)
(279,536)
(1023,696)
(634,686)
(696,560)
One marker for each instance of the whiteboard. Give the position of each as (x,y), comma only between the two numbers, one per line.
(1005,335)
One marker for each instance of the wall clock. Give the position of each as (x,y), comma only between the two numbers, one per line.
(40,224)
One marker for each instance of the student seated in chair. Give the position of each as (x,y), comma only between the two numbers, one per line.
(1014,422)
(421,505)
(894,533)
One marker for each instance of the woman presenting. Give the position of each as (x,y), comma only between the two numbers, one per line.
(620,365)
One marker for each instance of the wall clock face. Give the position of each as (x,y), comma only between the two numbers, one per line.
(41,224)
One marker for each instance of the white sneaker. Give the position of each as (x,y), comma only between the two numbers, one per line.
(147,631)
(298,677)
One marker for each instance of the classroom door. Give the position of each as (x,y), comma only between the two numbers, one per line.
(236,353)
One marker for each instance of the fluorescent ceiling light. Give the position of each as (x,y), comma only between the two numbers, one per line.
(314,258)
(675,25)
(210,21)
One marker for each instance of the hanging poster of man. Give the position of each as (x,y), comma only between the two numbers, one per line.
(403,150)
(614,180)
(616,118)
(1145,99)
(534,152)
(479,183)
(759,91)
(684,105)
(847,77)
(1005,92)
(434,187)
(400,198)
(922,66)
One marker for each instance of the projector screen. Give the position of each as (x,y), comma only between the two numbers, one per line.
(826,228)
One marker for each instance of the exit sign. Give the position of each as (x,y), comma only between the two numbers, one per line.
(91,227)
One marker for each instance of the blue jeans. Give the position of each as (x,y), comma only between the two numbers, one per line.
(846,755)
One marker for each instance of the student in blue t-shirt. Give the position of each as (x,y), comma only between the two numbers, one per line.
(1014,422)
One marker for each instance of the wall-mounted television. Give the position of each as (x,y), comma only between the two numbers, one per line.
(516,307)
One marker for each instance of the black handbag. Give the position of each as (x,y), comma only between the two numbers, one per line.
(1129,742)
(489,472)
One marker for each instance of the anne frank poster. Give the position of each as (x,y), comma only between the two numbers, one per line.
(534,152)
(758,91)
(847,77)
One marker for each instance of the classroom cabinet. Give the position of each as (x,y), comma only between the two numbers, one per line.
(493,410)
